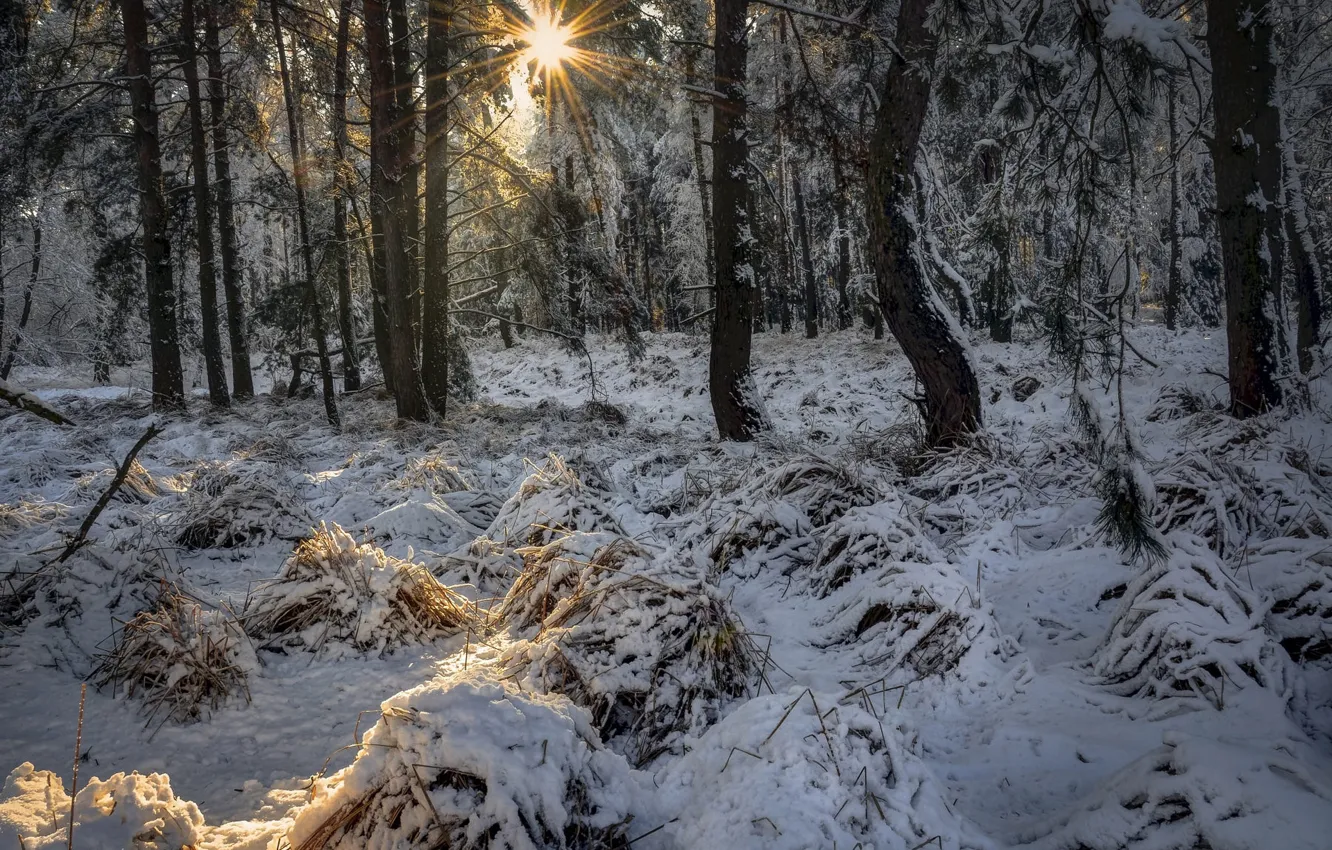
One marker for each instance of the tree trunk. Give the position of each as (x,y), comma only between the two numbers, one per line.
(242,380)
(806,263)
(913,312)
(1304,262)
(841,203)
(351,360)
(302,222)
(387,174)
(168,377)
(1246,156)
(735,400)
(1174,281)
(705,202)
(214,366)
(404,88)
(25,313)
(435,302)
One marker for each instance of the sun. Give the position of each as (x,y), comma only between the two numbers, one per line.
(548,44)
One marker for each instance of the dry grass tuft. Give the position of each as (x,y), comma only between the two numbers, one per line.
(180,659)
(24,515)
(334,590)
(225,507)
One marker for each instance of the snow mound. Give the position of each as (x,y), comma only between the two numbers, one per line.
(181,660)
(1236,483)
(334,592)
(820,488)
(551,501)
(769,521)
(921,619)
(558,570)
(235,504)
(469,762)
(130,811)
(651,655)
(797,770)
(1194,793)
(1186,629)
(863,539)
(1297,575)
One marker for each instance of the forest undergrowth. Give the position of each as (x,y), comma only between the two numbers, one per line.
(543,625)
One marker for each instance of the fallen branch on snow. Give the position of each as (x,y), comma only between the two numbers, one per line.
(24,400)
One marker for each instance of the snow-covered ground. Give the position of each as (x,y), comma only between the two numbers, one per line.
(933,651)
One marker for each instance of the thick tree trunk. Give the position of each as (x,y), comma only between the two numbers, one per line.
(214,366)
(25,312)
(735,400)
(168,377)
(242,380)
(914,313)
(435,306)
(1246,155)
(351,360)
(806,263)
(302,222)
(387,175)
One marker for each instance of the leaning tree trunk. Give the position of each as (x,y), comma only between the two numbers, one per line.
(351,361)
(242,380)
(1247,161)
(914,313)
(435,301)
(168,378)
(735,400)
(388,177)
(214,365)
(302,222)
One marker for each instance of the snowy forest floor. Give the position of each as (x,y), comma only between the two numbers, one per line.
(1045,691)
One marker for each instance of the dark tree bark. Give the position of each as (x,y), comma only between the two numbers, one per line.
(388,178)
(242,380)
(1246,156)
(302,223)
(351,360)
(214,365)
(435,301)
(913,312)
(25,312)
(735,401)
(168,377)
(806,262)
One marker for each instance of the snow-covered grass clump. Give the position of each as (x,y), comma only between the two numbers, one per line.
(652,653)
(1196,793)
(1187,629)
(227,505)
(798,770)
(552,501)
(179,659)
(334,592)
(471,763)
(130,811)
